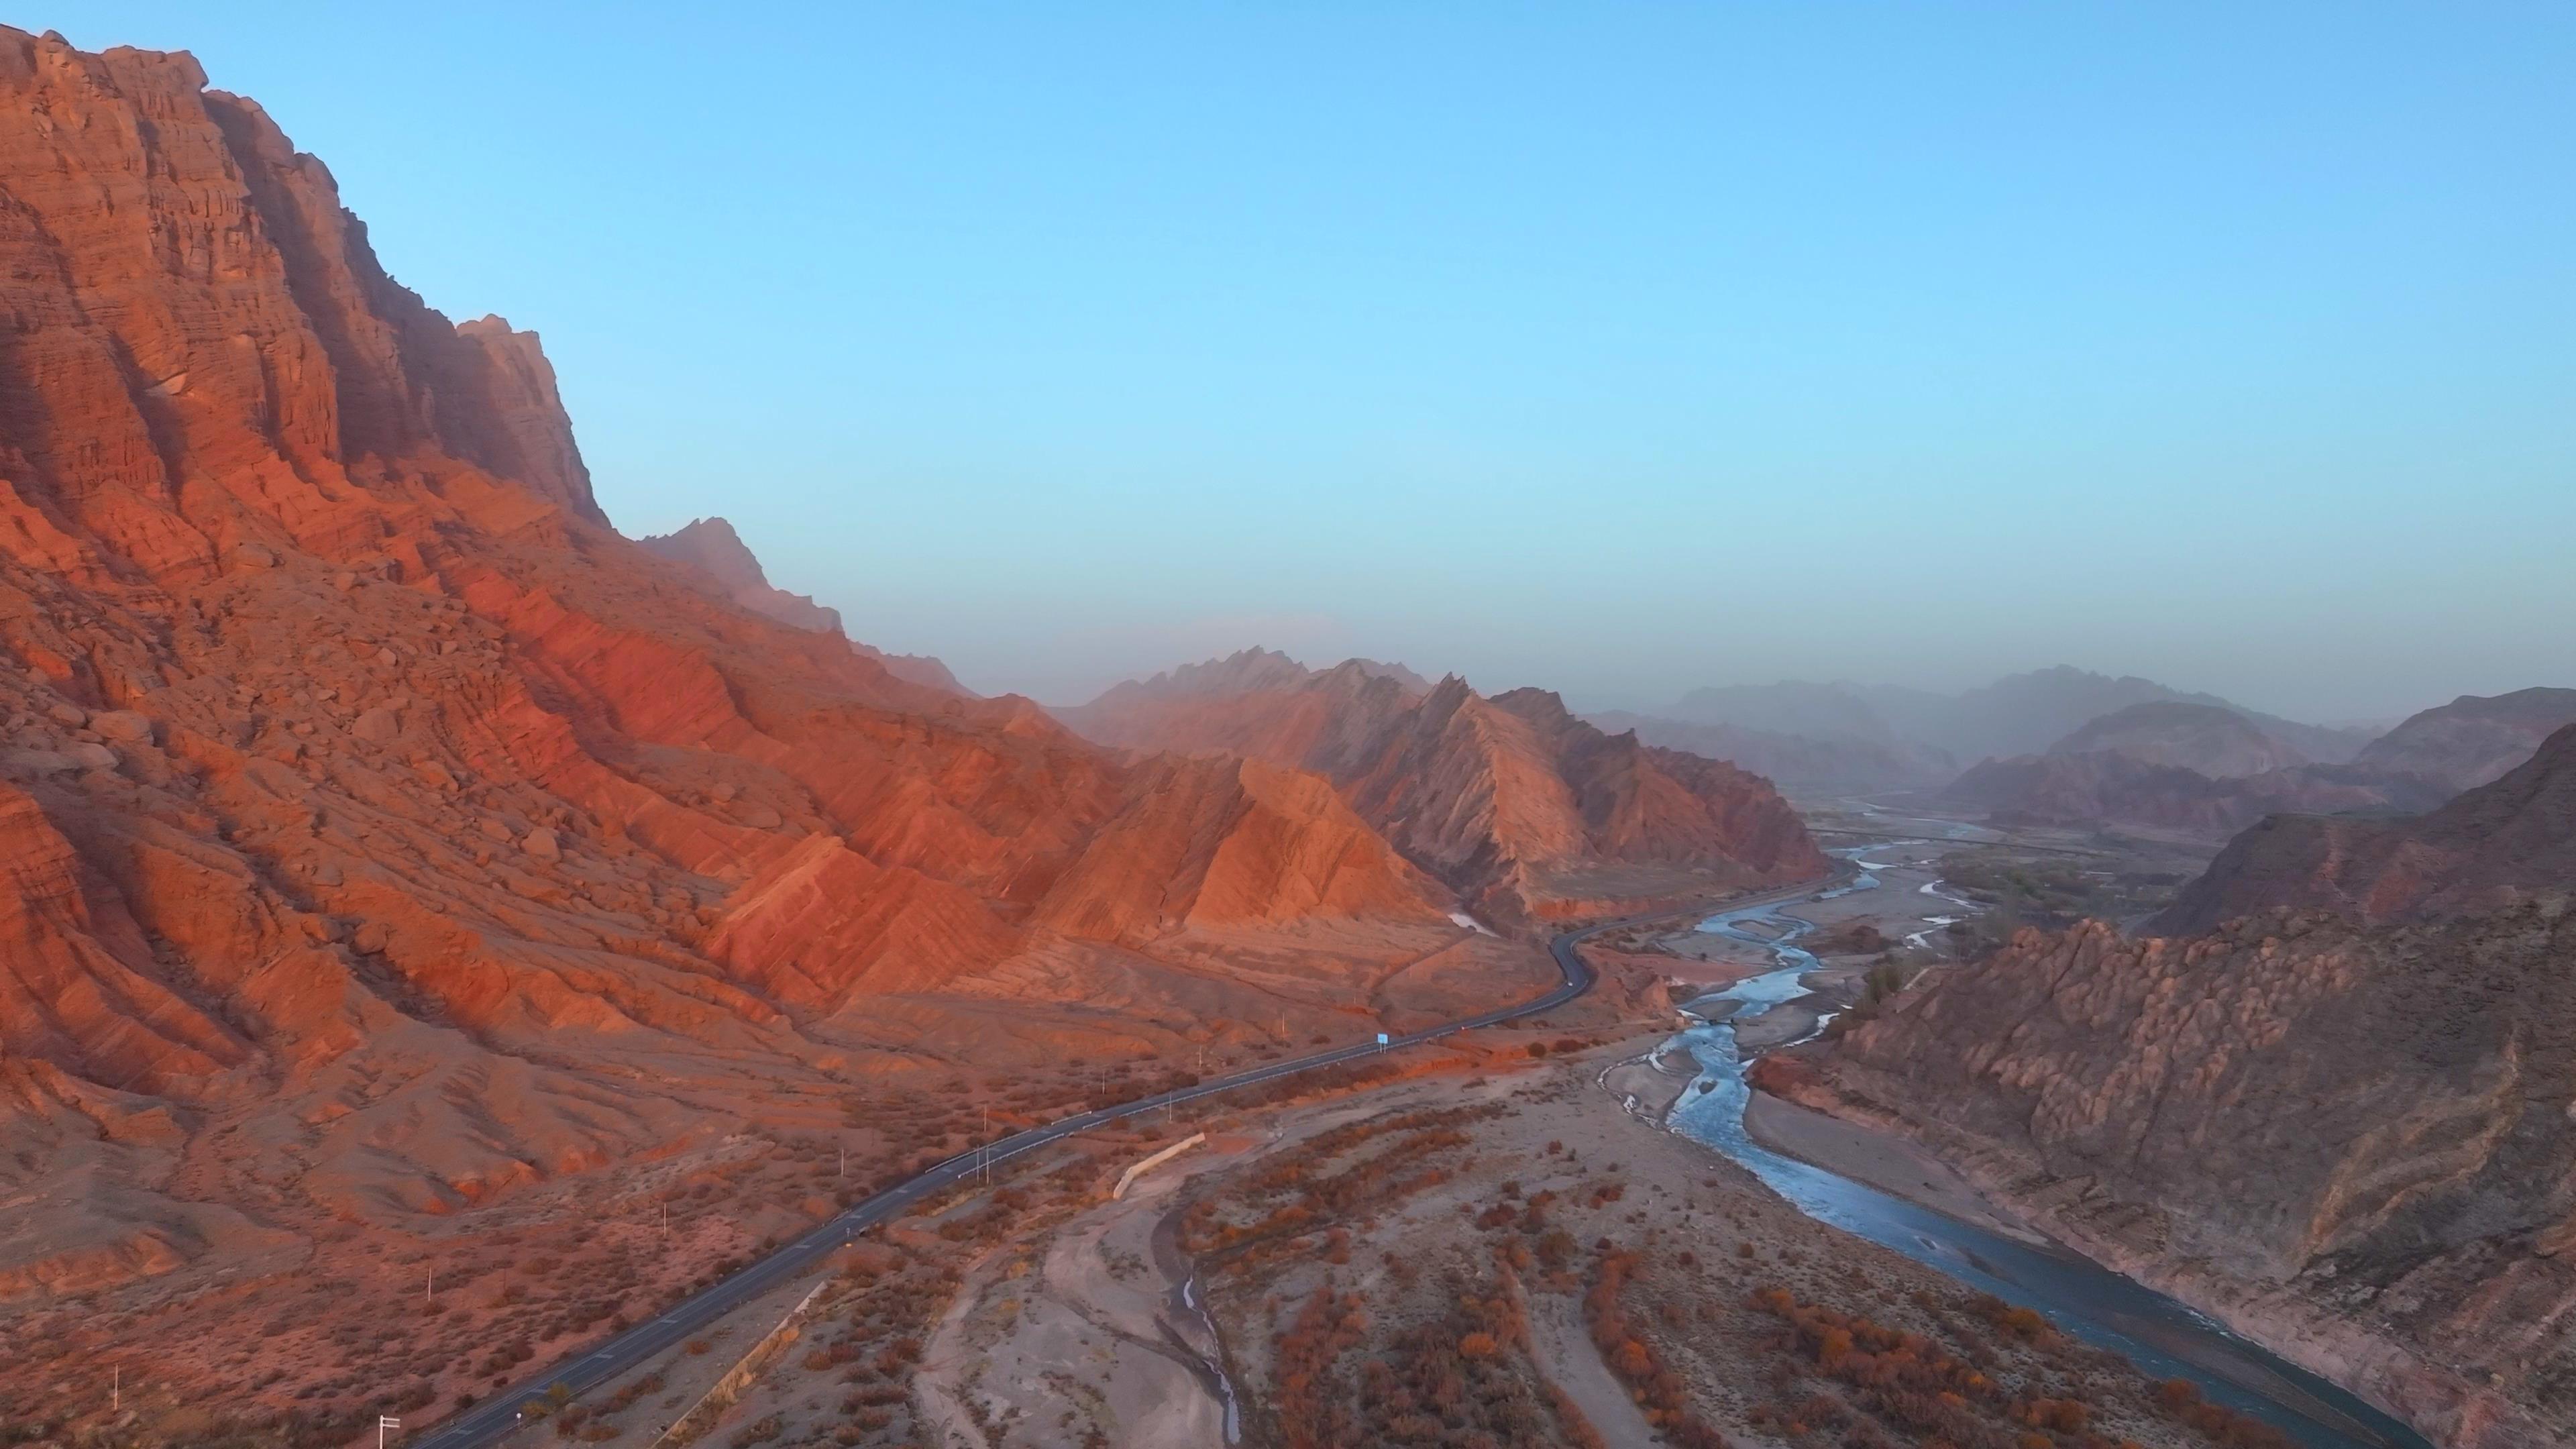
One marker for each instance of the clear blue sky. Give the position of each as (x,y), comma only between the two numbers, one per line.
(1618,348)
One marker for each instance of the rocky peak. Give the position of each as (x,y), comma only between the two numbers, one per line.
(206,351)
(712,547)
(1448,696)
(1409,681)
(1543,708)
(1359,673)
(1245,669)
(711,544)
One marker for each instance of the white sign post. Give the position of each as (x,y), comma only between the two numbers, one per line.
(384,1422)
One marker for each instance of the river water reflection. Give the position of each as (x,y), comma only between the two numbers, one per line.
(2163,1337)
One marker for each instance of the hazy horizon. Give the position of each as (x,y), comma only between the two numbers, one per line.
(1617,353)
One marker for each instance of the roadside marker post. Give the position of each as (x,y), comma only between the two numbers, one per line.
(384,1422)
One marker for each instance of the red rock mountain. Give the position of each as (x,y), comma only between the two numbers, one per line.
(2334,1110)
(711,546)
(1512,800)
(385,835)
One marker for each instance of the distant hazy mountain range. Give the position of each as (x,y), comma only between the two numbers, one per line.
(1865,735)
(2067,746)
(2199,768)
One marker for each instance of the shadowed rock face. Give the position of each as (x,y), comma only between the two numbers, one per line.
(2336,1109)
(1512,800)
(380,832)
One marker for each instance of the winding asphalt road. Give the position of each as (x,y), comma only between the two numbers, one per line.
(490,1421)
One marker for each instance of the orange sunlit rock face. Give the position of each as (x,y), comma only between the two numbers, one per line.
(382,833)
(1511,800)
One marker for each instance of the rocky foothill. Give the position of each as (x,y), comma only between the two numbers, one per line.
(2327,1097)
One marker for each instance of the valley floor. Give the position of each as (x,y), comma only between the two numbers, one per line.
(1503,1245)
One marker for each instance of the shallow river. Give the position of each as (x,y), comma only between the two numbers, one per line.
(2162,1336)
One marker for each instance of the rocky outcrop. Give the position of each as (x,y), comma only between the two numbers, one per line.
(710,546)
(2472,739)
(1511,800)
(2335,1111)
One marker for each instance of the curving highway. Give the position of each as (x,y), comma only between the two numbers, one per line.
(488,1422)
